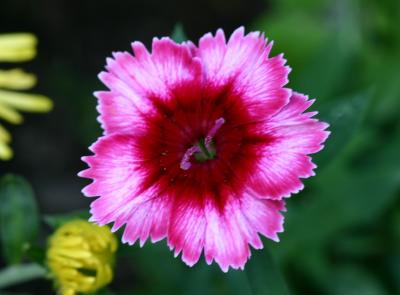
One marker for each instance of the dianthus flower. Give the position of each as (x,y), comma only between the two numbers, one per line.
(201,145)
(81,257)
(17,47)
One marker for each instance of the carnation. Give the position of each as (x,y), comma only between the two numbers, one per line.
(201,146)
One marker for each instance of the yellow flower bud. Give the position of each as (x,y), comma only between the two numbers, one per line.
(81,257)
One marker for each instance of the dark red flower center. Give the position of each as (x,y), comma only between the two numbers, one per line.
(200,144)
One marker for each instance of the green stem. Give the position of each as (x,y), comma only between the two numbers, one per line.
(16,274)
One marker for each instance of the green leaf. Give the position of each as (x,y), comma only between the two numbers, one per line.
(160,272)
(265,275)
(345,117)
(36,254)
(178,34)
(387,107)
(359,245)
(354,280)
(324,76)
(393,262)
(339,201)
(17,274)
(19,223)
(333,69)
(238,283)
(298,43)
(56,220)
(199,280)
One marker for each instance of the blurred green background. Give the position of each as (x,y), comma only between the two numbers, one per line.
(342,233)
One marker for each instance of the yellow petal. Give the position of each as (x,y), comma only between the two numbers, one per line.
(9,114)
(5,136)
(68,291)
(58,260)
(5,151)
(69,241)
(26,102)
(16,79)
(80,256)
(73,253)
(17,47)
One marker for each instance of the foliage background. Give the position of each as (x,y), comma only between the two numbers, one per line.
(342,232)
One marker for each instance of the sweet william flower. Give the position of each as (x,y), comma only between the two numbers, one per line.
(201,145)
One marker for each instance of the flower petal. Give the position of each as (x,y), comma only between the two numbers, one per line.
(284,160)
(118,113)
(17,47)
(117,176)
(6,152)
(148,217)
(244,62)
(228,235)
(16,79)
(186,232)
(5,136)
(137,82)
(224,233)
(26,102)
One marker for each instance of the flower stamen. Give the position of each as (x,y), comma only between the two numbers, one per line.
(185,162)
(204,150)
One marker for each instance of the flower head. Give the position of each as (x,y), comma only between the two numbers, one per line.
(81,257)
(201,145)
(17,48)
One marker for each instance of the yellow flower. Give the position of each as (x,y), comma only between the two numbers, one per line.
(17,47)
(81,256)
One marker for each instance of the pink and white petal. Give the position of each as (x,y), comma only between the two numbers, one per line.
(230,233)
(264,215)
(149,217)
(244,62)
(117,178)
(136,81)
(124,88)
(212,52)
(187,227)
(297,131)
(175,64)
(140,71)
(113,164)
(279,173)
(285,160)
(224,242)
(152,75)
(224,235)
(118,114)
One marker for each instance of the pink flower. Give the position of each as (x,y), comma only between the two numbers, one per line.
(201,145)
